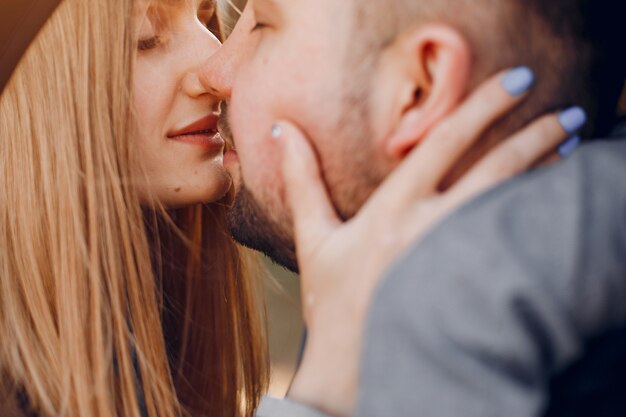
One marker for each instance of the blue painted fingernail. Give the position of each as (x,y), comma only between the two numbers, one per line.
(573,119)
(569,146)
(518,81)
(277,130)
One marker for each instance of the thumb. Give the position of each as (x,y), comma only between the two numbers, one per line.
(313,213)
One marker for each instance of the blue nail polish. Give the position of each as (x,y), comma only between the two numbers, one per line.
(277,130)
(573,119)
(518,81)
(569,146)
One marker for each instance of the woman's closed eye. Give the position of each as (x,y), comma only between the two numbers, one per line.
(148,43)
(149,37)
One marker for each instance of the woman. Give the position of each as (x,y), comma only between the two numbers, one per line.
(109,304)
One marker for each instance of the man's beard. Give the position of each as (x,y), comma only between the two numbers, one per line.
(251,226)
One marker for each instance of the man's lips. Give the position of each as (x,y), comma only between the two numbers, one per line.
(223,126)
(202,132)
(230,153)
(231,157)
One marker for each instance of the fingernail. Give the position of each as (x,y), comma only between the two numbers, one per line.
(518,81)
(277,131)
(569,146)
(573,119)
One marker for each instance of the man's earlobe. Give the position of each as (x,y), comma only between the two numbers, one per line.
(439,62)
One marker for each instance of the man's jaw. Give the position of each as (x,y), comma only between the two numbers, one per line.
(248,220)
(254,228)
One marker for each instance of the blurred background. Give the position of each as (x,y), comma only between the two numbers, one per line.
(285,326)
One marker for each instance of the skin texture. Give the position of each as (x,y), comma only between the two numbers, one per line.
(174,40)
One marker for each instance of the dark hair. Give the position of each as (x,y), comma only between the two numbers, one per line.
(606,30)
(599,24)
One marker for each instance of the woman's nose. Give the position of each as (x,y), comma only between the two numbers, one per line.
(192,86)
(205,46)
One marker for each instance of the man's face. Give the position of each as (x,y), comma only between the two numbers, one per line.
(290,62)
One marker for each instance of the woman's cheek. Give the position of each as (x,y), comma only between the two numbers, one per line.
(151,92)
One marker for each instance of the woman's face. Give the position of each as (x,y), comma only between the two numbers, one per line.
(180,152)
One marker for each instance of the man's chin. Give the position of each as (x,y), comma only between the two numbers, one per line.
(251,226)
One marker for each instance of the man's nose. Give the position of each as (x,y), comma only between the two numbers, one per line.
(218,73)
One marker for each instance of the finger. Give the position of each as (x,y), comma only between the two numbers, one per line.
(523,151)
(426,166)
(313,214)
(549,159)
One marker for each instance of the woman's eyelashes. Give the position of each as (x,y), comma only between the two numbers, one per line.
(148,43)
(149,32)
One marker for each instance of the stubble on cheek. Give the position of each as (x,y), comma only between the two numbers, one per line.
(351,182)
(354,168)
(351,166)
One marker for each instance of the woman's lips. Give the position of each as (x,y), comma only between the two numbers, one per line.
(207,139)
(203,132)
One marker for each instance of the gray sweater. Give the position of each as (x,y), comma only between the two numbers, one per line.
(480,316)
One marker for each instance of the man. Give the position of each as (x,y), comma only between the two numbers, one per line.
(384,83)
(371,79)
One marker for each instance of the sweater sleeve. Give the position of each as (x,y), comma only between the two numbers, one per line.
(476,317)
(275,407)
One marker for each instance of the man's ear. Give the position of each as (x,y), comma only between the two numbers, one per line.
(438,60)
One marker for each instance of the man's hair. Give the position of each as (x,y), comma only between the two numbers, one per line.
(572,45)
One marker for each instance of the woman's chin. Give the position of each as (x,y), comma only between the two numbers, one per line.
(186,194)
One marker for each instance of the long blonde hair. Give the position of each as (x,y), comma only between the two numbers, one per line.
(104,310)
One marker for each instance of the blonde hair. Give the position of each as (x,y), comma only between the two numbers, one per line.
(95,319)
